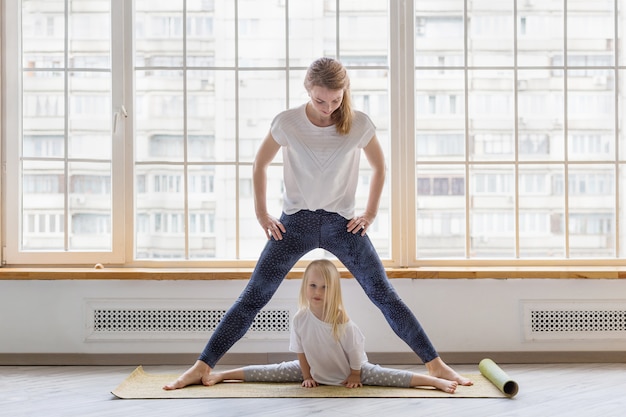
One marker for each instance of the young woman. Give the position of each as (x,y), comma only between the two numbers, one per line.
(329,345)
(321,141)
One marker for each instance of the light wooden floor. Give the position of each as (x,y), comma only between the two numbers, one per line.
(554,390)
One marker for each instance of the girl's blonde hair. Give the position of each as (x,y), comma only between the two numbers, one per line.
(334,312)
(331,74)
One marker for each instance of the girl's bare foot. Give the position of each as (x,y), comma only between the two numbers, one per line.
(196,375)
(445,385)
(438,368)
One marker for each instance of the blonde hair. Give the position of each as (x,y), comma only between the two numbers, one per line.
(331,74)
(334,312)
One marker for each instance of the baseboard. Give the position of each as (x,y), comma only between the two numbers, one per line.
(385,358)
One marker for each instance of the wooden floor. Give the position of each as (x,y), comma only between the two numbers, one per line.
(553,390)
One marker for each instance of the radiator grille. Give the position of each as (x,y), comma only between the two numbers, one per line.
(575,319)
(177,320)
(169,320)
(578,321)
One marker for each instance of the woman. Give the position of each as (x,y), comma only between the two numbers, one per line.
(330,346)
(321,142)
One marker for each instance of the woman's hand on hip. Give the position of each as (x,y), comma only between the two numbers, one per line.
(360,224)
(272,227)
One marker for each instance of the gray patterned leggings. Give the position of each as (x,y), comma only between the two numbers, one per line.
(291,372)
(308,230)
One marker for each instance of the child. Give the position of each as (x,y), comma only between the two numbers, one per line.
(329,345)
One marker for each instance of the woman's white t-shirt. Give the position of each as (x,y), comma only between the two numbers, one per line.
(321,167)
(330,360)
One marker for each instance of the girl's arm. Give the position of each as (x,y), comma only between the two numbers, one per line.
(308,381)
(376,158)
(266,153)
(353,380)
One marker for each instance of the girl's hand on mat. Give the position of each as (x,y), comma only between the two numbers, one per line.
(309,383)
(353,381)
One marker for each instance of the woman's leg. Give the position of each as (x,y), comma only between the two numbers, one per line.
(357,253)
(276,260)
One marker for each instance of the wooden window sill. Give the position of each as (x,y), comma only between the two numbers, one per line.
(62,273)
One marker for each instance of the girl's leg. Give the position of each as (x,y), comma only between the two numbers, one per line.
(278,372)
(278,257)
(389,377)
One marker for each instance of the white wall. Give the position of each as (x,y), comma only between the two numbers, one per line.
(459,315)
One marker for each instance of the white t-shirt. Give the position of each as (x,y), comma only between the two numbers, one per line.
(330,360)
(320,166)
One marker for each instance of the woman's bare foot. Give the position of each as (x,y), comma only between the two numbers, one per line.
(438,368)
(196,375)
(213,379)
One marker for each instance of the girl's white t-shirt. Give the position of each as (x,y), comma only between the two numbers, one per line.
(321,167)
(330,360)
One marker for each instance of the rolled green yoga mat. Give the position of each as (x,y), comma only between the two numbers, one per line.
(498,377)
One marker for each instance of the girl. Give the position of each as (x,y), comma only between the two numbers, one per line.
(329,345)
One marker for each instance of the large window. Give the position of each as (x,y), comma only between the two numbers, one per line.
(130,127)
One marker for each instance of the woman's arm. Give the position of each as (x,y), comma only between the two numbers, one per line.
(308,381)
(265,155)
(376,158)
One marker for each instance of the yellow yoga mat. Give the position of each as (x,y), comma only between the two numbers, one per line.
(498,377)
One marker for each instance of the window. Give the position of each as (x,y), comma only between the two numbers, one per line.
(137,123)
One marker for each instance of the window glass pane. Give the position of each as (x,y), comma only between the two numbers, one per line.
(491,111)
(66,126)
(440,211)
(43,206)
(492,211)
(307,17)
(89,34)
(90,115)
(159,115)
(251,236)
(43,34)
(591,33)
(158,23)
(490,32)
(261,40)
(622,211)
(540,35)
(364,32)
(262,95)
(540,115)
(211,116)
(541,211)
(621,95)
(439,33)
(591,210)
(440,115)
(43,107)
(591,115)
(90,206)
(159,212)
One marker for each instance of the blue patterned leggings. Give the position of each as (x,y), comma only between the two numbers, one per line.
(308,230)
